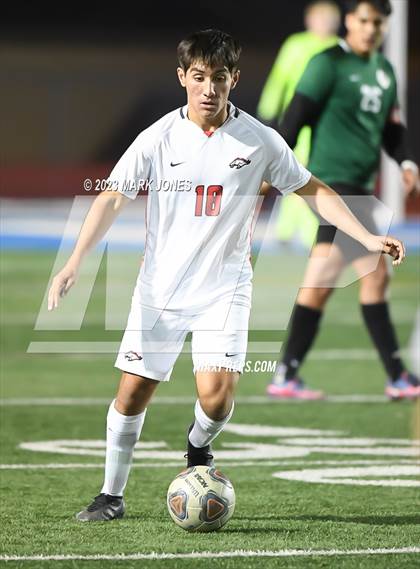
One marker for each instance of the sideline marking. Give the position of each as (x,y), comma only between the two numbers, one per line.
(215,554)
(181,400)
(273,348)
(63,465)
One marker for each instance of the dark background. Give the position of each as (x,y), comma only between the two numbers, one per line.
(79,82)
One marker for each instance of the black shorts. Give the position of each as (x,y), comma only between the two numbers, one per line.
(363,209)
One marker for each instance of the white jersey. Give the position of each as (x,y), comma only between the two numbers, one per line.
(202,193)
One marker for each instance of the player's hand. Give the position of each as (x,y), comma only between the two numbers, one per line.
(388,245)
(61,284)
(411,182)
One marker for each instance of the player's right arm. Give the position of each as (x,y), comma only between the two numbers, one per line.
(98,220)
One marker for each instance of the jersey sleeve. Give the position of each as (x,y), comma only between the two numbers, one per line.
(283,170)
(395,109)
(130,173)
(395,135)
(318,78)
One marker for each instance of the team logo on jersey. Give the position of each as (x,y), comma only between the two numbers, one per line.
(239,163)
(131,356)
(383,79)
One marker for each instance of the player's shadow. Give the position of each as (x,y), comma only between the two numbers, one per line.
(387,520)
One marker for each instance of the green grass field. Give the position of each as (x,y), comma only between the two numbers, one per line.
(344,469)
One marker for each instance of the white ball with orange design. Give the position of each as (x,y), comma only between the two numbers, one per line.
(201,498)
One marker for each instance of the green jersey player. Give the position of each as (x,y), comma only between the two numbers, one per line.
(348,95)
(322,20)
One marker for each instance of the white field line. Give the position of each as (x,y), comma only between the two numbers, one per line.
(180,400)
(108,347)
(215,554)
(176,464)
(272,348)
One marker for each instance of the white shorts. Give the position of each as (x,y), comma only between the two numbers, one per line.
(154,338)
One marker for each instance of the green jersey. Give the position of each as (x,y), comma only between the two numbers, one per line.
(281,82)
(356,96)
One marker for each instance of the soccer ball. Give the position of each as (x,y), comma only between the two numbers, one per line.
(201,498)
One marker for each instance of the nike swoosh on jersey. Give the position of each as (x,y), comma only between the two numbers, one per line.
(230,355)
(176,163)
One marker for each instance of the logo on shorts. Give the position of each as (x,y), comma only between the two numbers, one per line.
(131,356)
(239,163)
(230,355)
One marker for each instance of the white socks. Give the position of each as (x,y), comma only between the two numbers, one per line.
(205,430)
(122,433)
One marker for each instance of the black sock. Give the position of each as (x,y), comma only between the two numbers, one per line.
(381,330)
(303,329)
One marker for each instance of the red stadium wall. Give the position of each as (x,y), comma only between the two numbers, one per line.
(50,181)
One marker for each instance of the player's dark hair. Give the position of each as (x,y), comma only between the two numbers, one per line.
(383,6)
(212,47)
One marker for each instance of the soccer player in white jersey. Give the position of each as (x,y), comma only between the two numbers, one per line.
(196,273)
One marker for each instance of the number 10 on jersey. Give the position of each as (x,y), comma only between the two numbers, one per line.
(213,200)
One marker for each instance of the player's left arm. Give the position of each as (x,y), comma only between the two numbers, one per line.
(395,143)
(311,95)
(325,201)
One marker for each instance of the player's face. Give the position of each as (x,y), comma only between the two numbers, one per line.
(365,29)
(208,90)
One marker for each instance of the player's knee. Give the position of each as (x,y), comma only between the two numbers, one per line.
(216,408)
(383,277)
(314,297)
(128,404)
(134,394)
(377,281)
(217,403)
(323,294)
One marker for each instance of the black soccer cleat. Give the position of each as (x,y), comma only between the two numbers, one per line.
(104,508)
(198,456)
